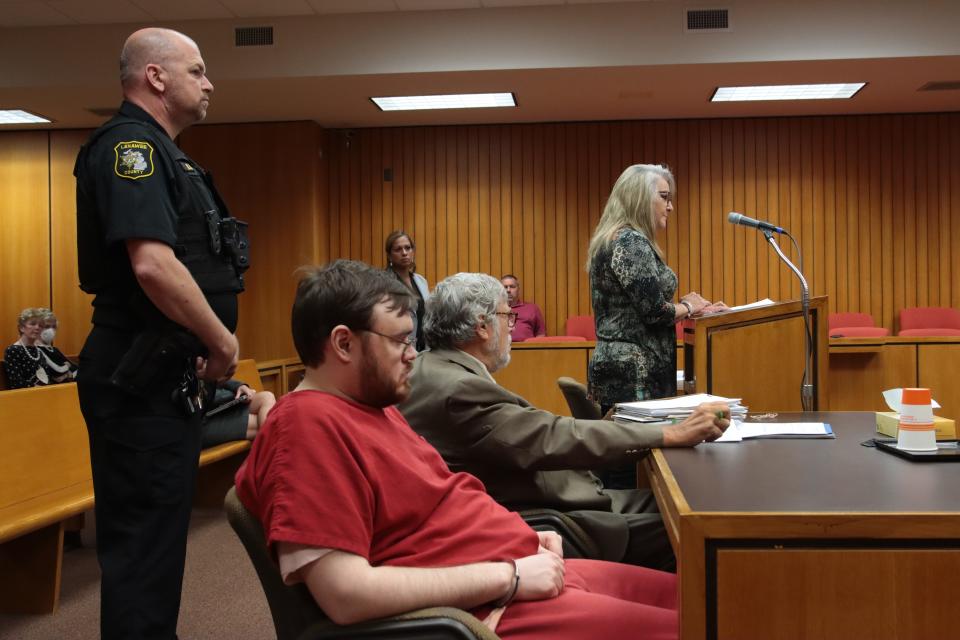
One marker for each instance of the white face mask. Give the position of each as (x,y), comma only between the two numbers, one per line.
(47,335)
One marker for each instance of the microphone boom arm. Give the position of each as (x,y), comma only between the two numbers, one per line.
(807,388)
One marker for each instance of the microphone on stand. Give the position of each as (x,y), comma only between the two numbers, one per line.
(738,218)
(808,386)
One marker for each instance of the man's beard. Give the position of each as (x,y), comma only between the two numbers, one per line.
(498,358)
(380,391)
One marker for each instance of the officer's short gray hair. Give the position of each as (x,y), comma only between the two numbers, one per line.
(153,45)
(458,304)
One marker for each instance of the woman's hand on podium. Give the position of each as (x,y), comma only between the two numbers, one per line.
(695,301)
(714,307)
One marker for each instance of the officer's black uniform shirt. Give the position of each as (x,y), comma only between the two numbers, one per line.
(126,189)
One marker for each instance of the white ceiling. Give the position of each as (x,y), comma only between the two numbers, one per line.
(565,61)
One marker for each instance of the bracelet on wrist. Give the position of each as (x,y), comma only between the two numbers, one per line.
(512,592)
(688,307)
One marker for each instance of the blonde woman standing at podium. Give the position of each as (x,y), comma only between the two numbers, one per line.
(632,288)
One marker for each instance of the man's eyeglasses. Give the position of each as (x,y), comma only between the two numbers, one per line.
(408,342)
(666,195)
(511,317)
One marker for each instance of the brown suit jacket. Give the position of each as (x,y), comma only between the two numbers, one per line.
(526,457)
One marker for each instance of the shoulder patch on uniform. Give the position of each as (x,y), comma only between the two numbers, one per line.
(134,159)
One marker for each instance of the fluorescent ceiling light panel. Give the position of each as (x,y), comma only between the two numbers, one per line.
(18,116)
(451,101)
(788,92)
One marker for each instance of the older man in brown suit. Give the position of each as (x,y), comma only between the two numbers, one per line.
(526,457)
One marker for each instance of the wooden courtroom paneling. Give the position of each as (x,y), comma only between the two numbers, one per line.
(857,379)
(25,228)
(938,368)
(776,372)
(270,175)
(870,200)
(535,367)
(71,305)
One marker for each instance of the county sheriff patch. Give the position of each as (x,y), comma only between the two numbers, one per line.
(134,160)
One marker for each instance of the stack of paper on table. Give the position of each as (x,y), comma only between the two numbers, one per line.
(672,408)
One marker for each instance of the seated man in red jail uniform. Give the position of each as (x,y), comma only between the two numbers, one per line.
(366,513)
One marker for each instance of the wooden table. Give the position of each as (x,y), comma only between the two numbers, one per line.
(811,539)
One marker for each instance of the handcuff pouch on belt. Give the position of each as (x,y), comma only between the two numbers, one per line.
(159,358)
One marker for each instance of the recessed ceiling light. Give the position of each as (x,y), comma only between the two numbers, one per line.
(18,116)
(788,92)
(450,101)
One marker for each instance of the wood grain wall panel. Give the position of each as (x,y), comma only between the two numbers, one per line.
(72,306)
(269,175)
(946,227)
(25,229)
(870,199)
(954,181)
(829,184)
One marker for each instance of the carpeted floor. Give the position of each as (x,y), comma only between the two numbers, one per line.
(222,597)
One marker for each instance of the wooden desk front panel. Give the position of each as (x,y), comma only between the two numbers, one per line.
(835,593)
(534,369)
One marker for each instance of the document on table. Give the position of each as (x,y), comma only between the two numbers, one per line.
(766,302)
(738,431)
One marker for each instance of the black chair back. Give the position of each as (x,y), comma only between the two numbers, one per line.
(576,396)
(292,607)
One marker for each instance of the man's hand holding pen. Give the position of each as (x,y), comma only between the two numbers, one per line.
(707,423)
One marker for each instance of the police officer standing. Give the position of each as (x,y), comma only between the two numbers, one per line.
(164,259)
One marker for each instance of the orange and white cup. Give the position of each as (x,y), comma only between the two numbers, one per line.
(916,431)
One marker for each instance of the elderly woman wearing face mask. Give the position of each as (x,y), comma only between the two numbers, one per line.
(31,361)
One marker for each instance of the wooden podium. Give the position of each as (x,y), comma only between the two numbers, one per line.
(757,354)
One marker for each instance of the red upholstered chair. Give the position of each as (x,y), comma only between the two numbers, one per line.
(854,325)
(581,326)
(555,339)
(929,321)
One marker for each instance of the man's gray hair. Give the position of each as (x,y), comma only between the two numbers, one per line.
(457,304)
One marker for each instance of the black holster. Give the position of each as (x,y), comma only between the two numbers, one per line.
(157,361)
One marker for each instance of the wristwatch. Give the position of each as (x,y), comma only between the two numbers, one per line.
(688,306)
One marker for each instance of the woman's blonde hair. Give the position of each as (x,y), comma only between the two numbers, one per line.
(630,206)
(28,314)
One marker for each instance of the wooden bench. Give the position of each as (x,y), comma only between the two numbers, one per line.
(45,479)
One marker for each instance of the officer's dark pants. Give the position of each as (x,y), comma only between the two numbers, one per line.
(144,454)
